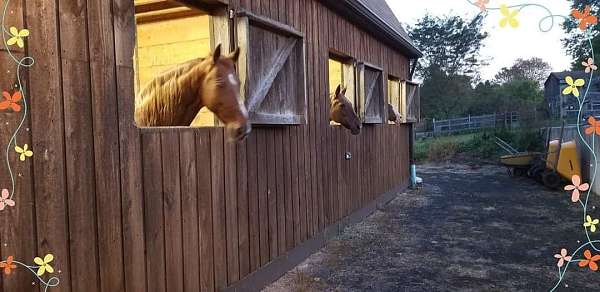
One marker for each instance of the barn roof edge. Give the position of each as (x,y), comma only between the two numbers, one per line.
(365,11)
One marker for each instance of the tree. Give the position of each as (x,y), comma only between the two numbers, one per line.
(449,43)
(521,94)
(451,46)
(517,95)
(444,96)
(534,69)
(576,42)
(484,99)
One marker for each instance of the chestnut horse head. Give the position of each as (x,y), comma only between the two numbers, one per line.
(343,113)
(175,97)
(393,115)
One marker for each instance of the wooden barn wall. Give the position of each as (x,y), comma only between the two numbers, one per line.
(124,209)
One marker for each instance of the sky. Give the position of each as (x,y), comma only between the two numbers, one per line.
(504,45)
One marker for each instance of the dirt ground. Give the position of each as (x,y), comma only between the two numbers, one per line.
(470,228)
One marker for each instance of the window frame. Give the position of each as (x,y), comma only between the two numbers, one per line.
(406,117)
(363,104)
(244,21)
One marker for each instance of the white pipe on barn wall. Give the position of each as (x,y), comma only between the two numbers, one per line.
(414,179)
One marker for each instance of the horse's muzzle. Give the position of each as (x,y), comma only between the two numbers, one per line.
(241,132)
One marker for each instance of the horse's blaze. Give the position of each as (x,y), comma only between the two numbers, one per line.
(172,99)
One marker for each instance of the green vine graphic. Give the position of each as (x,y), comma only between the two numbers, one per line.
(14,100)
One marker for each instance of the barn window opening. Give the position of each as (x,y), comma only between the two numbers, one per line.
(272,69)
(341,72)
(394,100)
(371,94)
(169,34)
(336,76)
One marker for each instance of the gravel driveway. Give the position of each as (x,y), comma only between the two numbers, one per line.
(470,228)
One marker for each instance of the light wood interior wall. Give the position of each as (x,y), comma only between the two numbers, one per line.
(394,95)
(335,75)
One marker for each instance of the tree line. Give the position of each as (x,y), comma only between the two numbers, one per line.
(452,85)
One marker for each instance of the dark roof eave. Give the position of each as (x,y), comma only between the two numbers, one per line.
(355,10)
(574,74)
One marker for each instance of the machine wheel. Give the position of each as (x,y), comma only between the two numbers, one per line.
(510,171)
(551,179)
(536,173)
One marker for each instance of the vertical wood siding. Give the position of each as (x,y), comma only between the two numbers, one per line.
(125,209)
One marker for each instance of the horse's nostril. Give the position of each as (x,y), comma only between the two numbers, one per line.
(243,131)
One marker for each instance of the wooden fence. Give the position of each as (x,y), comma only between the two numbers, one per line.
(469,123)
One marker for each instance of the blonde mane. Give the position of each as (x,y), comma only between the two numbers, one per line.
(171,99)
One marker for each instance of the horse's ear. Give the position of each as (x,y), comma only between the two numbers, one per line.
(337,91)
(344,91)
(235,55)
(217,54)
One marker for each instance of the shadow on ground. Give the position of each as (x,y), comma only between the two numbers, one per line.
(471,228)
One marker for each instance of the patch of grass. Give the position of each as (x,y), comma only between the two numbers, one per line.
(305,283)
(440,148)
(480,145)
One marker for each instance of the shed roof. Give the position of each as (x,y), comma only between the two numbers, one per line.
(560,77)
(377,17)
(591,87)
(574,74)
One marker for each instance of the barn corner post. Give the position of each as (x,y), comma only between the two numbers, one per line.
(413,64)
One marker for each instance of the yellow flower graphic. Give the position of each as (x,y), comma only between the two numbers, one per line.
(510,17)
(17,36)
(591,223)
(44,264)
(25,152)
(573,87)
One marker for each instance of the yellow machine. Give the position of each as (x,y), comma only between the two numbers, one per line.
(557,165)
(563,159)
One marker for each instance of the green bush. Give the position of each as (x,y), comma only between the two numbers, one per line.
(529,140)
(483,145)
(422,150)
